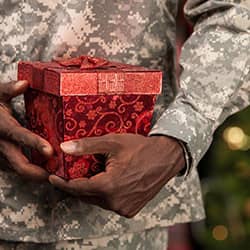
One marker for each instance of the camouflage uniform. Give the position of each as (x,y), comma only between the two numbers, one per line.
(152,239)
(215,83)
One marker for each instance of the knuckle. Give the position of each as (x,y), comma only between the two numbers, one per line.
(14,133)
(113,141)
(81,144)
(3,147)
(27,138)
(19,170)
(110,137)
(8,131)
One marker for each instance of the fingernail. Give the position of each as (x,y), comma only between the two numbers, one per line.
(69,147)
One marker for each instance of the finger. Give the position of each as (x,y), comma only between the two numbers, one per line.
(20,163)
(93,145)
(93,186)
(77,187)
(24,137)
(13,89)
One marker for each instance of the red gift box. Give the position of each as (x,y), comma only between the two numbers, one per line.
(84,97)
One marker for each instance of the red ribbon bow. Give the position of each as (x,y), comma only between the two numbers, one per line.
(84,62)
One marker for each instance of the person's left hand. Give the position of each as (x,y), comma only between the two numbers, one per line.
(137,167)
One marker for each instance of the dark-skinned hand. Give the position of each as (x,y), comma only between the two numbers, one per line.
(137,167)
(13,136)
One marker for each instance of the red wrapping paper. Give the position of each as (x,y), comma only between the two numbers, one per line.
(84,97)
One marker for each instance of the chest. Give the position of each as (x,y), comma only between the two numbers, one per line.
(104,27)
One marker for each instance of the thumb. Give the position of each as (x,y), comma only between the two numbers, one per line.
(12,89)
(92,145)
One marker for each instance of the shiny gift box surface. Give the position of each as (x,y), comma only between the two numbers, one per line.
(85,97)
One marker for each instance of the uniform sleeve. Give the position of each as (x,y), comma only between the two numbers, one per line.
(215,81)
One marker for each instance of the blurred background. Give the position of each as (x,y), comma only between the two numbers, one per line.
(225,177)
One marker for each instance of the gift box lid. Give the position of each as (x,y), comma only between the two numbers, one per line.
(88,75)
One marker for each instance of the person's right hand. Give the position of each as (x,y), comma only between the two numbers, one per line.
(13,136)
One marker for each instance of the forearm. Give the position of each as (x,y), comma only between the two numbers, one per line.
(215,77)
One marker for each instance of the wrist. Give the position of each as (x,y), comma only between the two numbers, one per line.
(177,153)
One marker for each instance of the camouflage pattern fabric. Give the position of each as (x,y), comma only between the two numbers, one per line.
(214,84)
(154,239)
